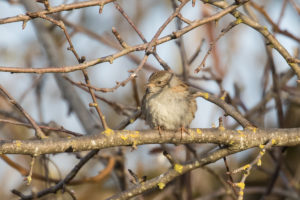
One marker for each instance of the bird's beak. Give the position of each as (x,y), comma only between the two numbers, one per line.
(150,85)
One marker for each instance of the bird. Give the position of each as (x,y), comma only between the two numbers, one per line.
(168,103)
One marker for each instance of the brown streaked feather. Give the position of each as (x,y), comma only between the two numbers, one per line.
(157,75)
(180,88)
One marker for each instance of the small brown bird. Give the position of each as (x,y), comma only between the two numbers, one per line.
(168,103)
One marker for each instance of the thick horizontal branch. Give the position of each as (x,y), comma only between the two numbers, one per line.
(240,139)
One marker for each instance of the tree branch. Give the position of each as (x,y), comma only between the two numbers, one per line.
(112,57)
(241,139)
(263,31)
(60,8)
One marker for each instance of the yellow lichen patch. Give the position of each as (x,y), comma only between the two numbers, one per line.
(131,121)
(240,185)
(124,137)
(262,152)
(223,96)
(178,168)
(198,131)
(221,128)
(273,141)
(108,132)
(231,142)
(245,167)
(192,134)
(18,143)
(135,134)
(241,193)
(238,21)
(205,95)
(93,104)
(252,128)
(259,162)
(242,134)
(161,185)
(261,146)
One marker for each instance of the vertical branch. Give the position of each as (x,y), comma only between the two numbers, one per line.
(95,104)
(29,176)
(276,88)
(180,44)
(211,38)
(221,127)
(135,92)
(284,4)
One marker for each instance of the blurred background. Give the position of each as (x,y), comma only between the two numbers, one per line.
(239,64)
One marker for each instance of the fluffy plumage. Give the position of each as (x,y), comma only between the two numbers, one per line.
(168,103)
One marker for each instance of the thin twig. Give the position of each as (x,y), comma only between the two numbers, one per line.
(43,127)
(161,61)
(229,109)
(95,104)
(60,8)
(39,133)
(60,185)
(110,58)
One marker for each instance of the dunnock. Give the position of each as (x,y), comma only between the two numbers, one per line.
(168,103)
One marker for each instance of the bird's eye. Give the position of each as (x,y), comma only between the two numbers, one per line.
(158,82)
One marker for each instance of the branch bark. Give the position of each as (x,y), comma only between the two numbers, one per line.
(237,139)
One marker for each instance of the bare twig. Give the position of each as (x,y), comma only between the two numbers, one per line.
(63,182)
(262,30)
(230,110)
(247,168)
(60,8)
(110,58)
(39,133)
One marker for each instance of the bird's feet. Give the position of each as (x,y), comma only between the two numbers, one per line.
(159,130)
(182,130)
